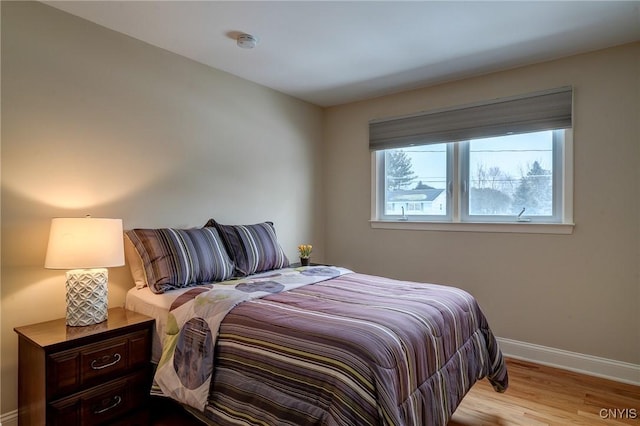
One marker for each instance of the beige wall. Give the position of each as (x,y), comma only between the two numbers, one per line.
(576,292)
(96,122)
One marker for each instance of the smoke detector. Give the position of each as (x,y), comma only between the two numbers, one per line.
(247,41)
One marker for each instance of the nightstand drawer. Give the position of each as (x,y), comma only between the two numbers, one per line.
(93,375)
(102,404)
(94,363)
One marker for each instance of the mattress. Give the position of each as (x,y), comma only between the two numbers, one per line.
(145,302)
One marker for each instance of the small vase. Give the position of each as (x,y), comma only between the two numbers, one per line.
(304,261)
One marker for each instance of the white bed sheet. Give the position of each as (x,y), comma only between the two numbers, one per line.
(145,302)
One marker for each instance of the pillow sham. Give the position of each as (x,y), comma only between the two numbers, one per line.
(253,248)
(177,258)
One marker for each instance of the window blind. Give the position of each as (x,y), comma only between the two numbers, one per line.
(548,110)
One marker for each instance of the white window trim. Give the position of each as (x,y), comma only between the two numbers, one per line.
(378,166)
(456,225)
(558,188)
(496,227)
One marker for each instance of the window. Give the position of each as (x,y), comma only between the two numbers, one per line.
(514,177)
(512,166)
(415,182)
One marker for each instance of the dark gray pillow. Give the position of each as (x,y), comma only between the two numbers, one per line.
(253,248)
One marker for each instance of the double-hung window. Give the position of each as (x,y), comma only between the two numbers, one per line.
(507,161)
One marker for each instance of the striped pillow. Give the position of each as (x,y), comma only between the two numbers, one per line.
(176,258)
(253,248)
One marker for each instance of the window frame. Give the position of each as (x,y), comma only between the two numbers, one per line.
(458,219)
(464,168)
(381,200)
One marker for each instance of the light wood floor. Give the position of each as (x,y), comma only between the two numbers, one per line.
(540,395)
(537,396)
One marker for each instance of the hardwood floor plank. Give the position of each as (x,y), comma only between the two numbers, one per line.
(539,396)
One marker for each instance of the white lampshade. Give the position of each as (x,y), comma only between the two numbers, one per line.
(86,246)
(80,243)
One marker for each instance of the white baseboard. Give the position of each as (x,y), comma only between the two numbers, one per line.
(572,361)
(9,419)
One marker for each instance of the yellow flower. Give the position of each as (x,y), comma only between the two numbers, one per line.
(305,250)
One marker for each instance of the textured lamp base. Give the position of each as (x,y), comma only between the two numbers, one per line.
(87,300)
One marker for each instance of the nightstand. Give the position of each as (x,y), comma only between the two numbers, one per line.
(94,375)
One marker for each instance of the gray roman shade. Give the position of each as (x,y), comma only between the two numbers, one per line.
(539,111)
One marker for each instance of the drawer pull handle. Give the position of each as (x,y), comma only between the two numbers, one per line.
(116,401)
(105,358)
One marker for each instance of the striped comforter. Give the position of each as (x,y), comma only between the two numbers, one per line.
(352,350)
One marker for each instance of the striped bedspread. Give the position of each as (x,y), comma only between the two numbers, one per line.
(187,363)
(352,350)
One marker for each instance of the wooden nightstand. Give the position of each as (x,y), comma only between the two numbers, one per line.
(93,375)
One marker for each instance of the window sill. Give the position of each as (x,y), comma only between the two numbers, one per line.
(502,227)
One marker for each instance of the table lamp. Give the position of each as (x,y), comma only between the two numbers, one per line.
(86,246)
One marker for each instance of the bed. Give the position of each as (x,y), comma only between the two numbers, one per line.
(268,344)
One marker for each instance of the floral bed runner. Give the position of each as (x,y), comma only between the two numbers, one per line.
(186,367)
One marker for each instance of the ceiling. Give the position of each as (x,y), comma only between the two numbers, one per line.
(334,52)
